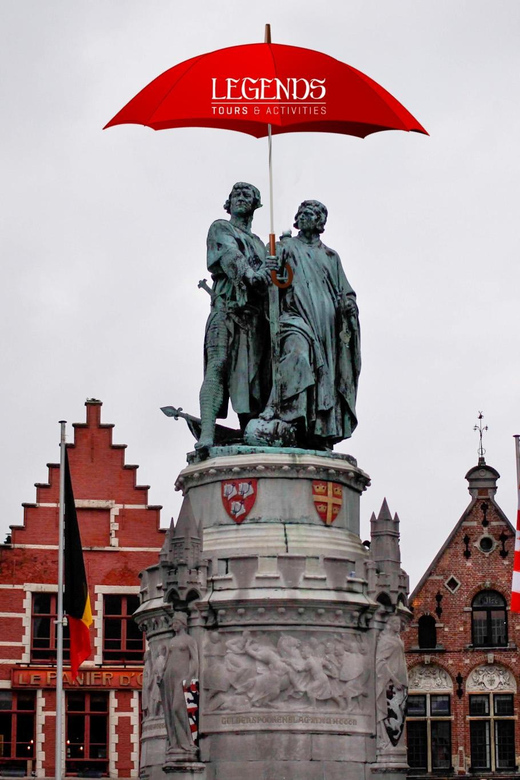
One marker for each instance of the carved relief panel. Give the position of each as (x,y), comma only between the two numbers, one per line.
(491,678)
(429,678)
(301,678)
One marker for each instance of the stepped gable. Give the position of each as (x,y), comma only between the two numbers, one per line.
(113,510)
(120,536)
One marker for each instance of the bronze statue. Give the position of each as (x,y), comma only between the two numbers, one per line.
(236,345)
(319,347)
(286,356)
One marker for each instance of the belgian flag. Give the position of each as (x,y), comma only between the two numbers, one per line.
(75,598)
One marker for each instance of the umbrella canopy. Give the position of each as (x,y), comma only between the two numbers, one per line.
(249,88)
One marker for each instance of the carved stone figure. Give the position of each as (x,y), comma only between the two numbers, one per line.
(154,663)
(318,685)
(147,682)
(353,671)
(236,345)
(391,684)
(217,677)
(159,662)
(319,338)
(182,663)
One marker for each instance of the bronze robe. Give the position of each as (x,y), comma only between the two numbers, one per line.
(319,343)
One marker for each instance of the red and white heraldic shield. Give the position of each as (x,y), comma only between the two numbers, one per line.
(328,498)
(238,497)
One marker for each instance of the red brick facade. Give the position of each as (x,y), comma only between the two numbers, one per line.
(120,537)
(462,647)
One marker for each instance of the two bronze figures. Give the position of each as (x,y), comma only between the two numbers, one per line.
(287,357)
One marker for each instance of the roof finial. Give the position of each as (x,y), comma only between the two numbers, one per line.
(480,428)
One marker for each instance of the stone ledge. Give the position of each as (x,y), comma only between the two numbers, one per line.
(230,463)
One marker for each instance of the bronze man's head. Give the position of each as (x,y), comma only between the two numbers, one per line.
(318,209)
(250,188)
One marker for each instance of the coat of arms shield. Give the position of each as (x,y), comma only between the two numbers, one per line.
(328,498)
(238,497)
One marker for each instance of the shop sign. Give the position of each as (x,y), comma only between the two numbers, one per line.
(87,678)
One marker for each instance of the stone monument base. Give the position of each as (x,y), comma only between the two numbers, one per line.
(285,605)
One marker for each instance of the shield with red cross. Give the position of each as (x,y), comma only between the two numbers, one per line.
(327,497)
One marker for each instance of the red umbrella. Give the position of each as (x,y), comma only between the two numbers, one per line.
(246,88)
(267,88)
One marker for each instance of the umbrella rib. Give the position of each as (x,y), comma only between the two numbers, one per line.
(196,60)
(367,80)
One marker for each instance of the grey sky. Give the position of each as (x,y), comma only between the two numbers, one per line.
(103,236)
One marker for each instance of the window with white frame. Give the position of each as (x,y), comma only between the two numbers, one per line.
(489,619)
(87,733)
(428,732)
(44,613)
(492,731)
(123,642)
(17,731)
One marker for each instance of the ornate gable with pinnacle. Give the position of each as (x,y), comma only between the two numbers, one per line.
(476,555)
(462,640)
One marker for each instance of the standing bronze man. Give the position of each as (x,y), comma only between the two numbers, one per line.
(320,356)
(236,344)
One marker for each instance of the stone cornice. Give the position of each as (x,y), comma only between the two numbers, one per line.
(286,465)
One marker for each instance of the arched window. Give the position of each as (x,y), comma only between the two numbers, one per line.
(428,720)
(489,619)
(492,718)
(427,632)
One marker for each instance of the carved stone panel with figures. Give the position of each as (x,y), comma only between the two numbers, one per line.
(297,678)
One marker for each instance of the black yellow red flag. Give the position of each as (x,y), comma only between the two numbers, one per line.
(75,598)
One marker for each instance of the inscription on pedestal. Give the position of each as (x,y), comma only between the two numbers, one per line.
(292,721)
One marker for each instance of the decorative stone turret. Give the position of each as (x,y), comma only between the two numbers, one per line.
(184,571)
(482,480)
(388,583)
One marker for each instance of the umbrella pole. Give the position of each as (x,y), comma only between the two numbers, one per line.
(272,239)
(274,303)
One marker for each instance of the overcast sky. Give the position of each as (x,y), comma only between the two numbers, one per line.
(103,237)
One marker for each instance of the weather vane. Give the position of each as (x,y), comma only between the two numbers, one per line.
(480,428)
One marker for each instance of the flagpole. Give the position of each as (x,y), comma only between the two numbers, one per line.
(517,448)
(515,589)
(59,621)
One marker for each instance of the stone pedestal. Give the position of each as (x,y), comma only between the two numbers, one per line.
(284,615)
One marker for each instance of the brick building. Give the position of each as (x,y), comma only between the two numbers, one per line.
(462,649)
(120,536)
